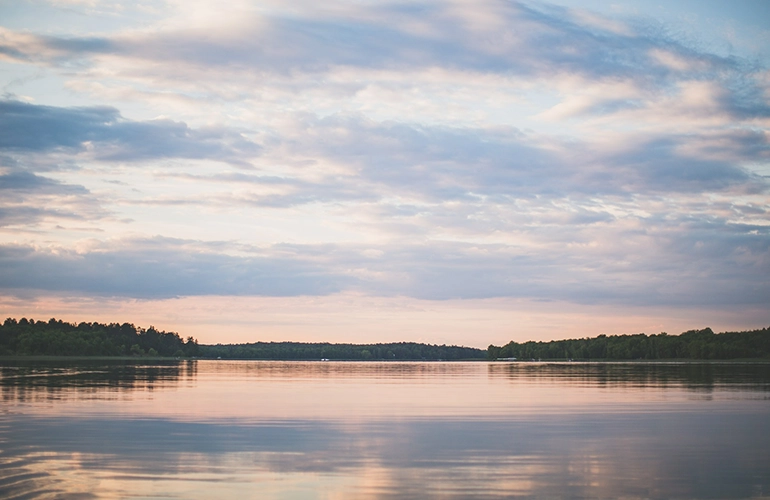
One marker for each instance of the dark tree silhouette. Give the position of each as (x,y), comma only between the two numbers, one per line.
(693,344)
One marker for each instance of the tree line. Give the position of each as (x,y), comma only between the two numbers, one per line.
(693,344)
(59,338)
(28,337)
(400,351)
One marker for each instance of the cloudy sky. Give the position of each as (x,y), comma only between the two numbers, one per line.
(446,171)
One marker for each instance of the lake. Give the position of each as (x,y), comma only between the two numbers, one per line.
(345,430)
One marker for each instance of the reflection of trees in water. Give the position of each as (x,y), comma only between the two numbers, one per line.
(692,376)
(34,380)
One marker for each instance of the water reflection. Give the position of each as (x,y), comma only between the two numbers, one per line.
(690,375)
(655,456)
(27,380)
(254,430)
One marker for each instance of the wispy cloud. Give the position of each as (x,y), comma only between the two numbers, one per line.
(26,199)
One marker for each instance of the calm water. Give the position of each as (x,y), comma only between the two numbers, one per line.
(244,429)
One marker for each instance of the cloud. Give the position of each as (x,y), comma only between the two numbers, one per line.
(29,216)
(27,47)
(431,150)
(662,164)
(352,56)
(435,163)
(27,199)
(104,135)
(20,181)
(517,37)
(685,262)
(430,162)
(281,191)
(162,268)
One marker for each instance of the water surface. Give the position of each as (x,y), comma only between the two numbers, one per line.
(251,429)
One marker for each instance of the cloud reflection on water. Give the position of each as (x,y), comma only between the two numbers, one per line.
(644,455)
(252,429)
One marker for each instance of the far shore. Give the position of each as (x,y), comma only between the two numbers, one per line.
(145,359)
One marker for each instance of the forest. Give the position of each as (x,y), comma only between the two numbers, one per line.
(59,338)
(693,344)
(400,351)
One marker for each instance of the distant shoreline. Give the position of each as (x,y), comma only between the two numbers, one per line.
(39,357)
(151,359)
(700,345)
(58,339)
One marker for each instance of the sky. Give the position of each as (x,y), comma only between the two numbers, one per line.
(459,172)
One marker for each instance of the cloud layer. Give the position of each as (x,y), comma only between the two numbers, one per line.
(437,150)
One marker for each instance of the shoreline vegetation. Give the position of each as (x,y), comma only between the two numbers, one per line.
(690,345)
(56,338)
(59,338)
